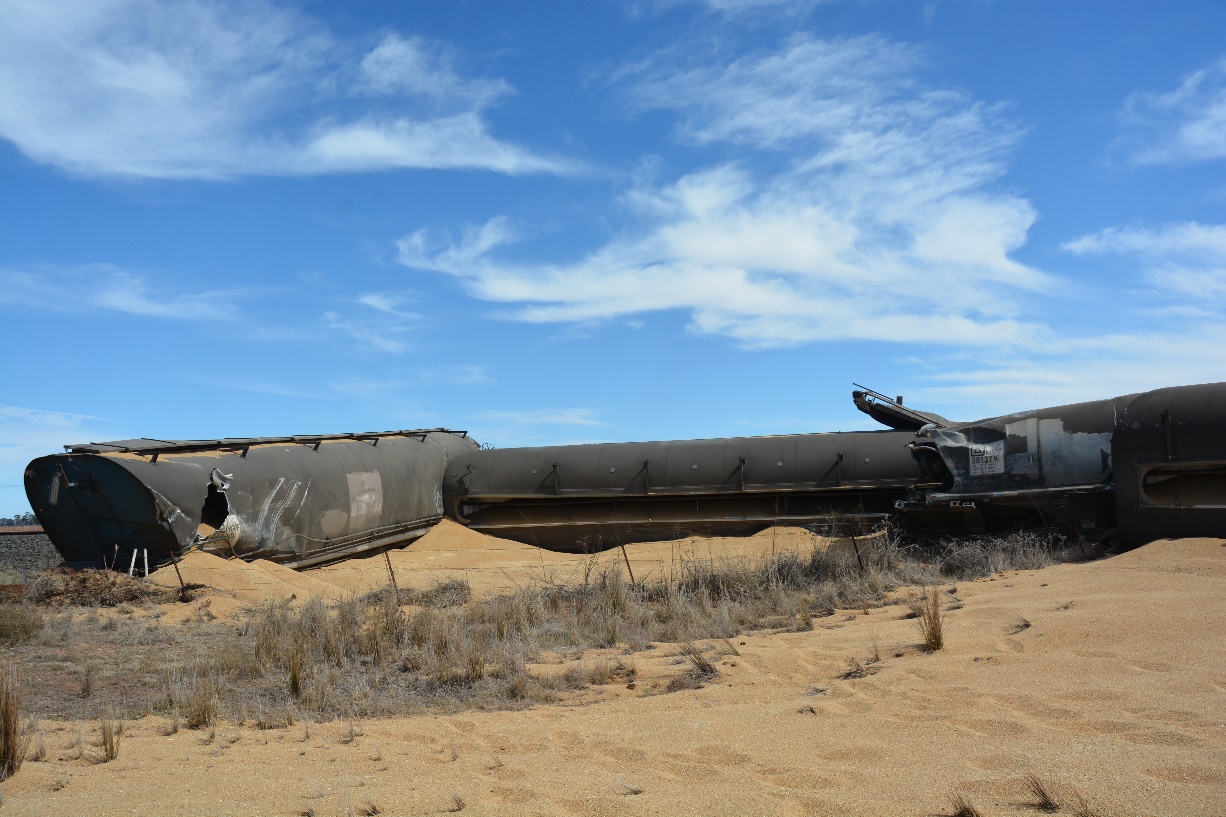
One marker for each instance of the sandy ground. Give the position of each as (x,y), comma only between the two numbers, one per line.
(1115,690)
(490,565)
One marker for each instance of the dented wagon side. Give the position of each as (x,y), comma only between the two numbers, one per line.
(300,501)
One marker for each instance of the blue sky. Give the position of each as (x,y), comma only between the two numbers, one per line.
(567,222)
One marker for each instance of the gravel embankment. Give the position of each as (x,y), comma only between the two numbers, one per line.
(24,554)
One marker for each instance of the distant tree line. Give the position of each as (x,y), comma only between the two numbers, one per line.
(18,520)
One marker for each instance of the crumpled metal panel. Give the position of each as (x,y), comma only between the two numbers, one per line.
(1058,447)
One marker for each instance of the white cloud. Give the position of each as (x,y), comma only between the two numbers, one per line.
(104,287)
(1185,260)
(1071,369)
(380,335)
(223,89)
(419,67)
(388,303)
(883,224)
(1186,124)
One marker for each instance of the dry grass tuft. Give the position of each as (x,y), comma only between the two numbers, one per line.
(931,620)
(199,699)
(368,809)
(1019,625)
(963,807)
(18,623)
(457,803)
(372,656)
(702,668)
(111,732)
(39,753)
(1081,808)
(628,788)
(1044,800)
(13,739)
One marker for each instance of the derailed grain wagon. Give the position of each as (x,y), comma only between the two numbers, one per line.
(300,501)
(1132,468)
(588,498)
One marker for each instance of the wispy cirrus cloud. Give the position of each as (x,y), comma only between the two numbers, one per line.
(1159,323)
(105,287)
(1184,261)
(380,323)
(220,89)
(1184,125)
(881,223)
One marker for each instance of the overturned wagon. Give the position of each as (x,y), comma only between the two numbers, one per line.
(587,498)
(1136,467)
(301,501)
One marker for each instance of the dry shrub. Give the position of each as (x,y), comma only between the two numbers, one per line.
(1021,550)
(13,739)
(450,593)
(930,620)
(63,587)
(856,669)
(18,623)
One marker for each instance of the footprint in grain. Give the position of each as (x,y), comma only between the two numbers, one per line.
(992,728)
(1153,737)
(997,763)
(510,794)
(1188,773)
(790,778)
(719,756)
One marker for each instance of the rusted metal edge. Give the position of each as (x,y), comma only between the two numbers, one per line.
(370,547)
(661,492)
(804,518)
(151,446)
(1021,493)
